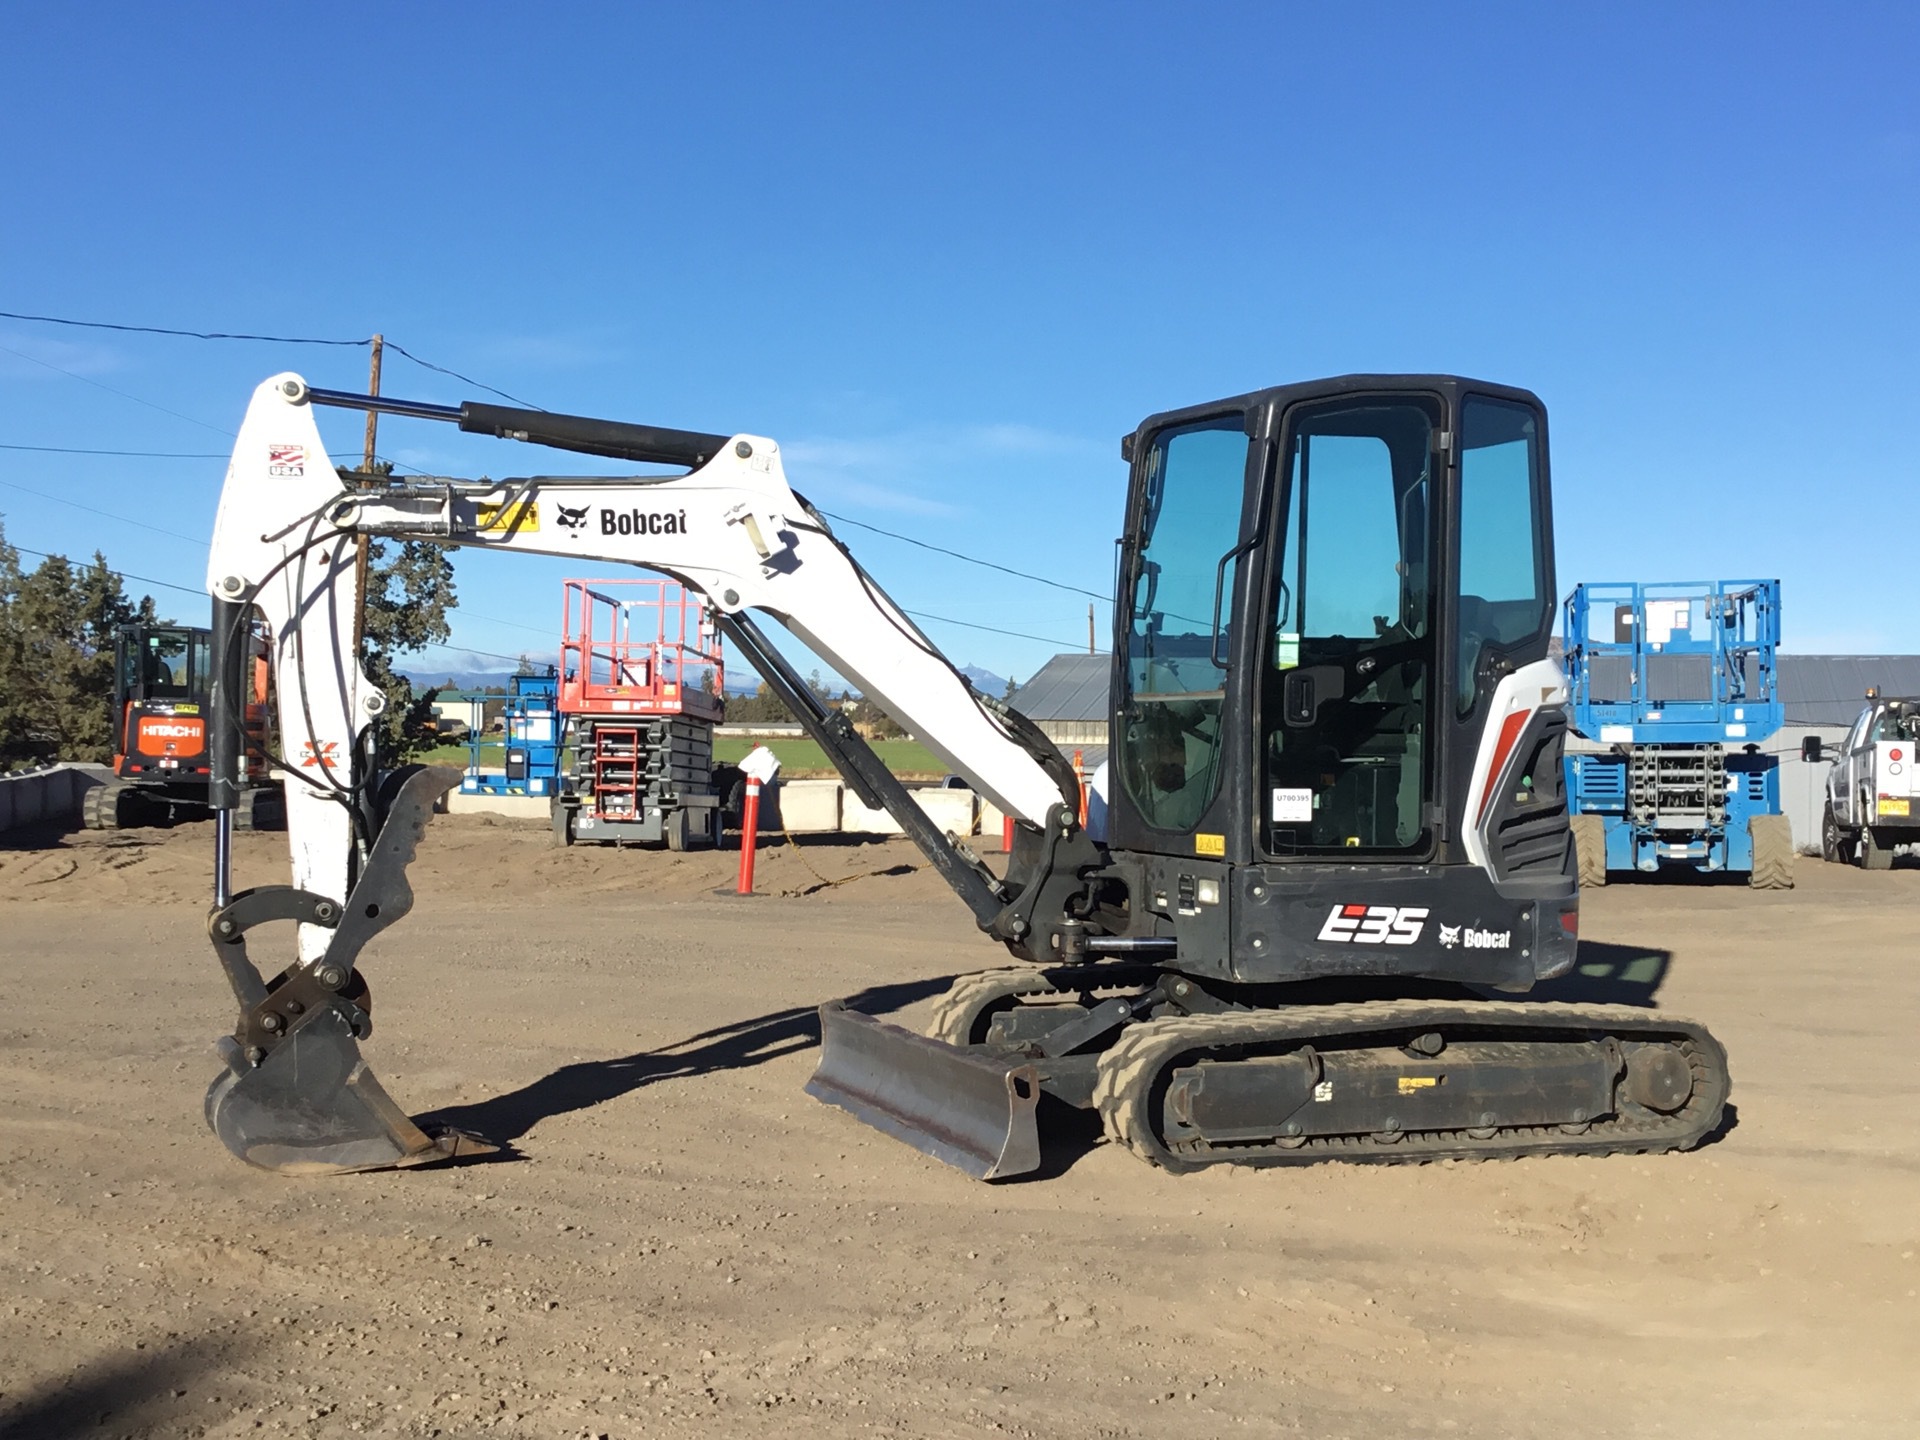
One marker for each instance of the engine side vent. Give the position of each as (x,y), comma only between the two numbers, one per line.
(1527,831)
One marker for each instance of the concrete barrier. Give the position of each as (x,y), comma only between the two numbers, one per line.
(806,807)
(49,796)
(951,810)
(801,807)
(526,807)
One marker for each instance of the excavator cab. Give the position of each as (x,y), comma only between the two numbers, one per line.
(1331,682)
(1336,606)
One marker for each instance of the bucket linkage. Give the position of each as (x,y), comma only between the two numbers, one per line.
(296,1096)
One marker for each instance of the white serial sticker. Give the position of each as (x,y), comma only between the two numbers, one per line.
(1292,807)
(1616,734)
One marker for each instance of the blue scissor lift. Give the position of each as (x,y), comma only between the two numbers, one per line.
(532,723)
(1677,681)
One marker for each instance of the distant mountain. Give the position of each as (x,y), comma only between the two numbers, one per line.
(985,681)
(459,679)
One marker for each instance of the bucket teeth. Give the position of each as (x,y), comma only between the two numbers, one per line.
(312,1107)
(972,1111)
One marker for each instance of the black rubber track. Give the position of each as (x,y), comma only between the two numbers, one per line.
(1132,1080)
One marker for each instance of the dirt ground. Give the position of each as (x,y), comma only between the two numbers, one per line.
(681,1243)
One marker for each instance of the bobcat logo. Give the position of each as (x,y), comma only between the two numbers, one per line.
(1449,935)
(574,519)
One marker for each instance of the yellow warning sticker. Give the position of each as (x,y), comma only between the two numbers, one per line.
(1210,845)
(1892,807)
(521,516)
(1411,1083)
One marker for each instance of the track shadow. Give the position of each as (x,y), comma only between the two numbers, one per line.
(1606,974)
(114,1394)
(1729,1121)
(506,1118)
(39,835)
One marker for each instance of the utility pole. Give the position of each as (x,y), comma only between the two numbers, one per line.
(360,540)
(1090,649)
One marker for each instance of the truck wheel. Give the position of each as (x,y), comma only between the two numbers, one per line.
(1873,855)
(562,824)
(1772,837)
(1590,849)
(1834,848)
(679,830)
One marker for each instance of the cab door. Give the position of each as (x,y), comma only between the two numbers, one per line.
(1179,595)
(1349,679)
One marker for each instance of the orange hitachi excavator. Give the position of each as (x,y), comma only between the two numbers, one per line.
(161,762)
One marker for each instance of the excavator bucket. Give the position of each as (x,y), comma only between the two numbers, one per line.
(972,1111)
(314,1108)
(296,1096)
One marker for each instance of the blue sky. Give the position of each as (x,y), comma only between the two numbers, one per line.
(947,255)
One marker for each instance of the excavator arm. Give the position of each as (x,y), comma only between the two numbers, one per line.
(296,1095)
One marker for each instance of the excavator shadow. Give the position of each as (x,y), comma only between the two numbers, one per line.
(118,1393)
(507,1118)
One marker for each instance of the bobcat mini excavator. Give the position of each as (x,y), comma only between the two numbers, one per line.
(1337,823)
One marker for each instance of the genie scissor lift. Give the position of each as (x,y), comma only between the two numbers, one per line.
(1677,683)
(532,724)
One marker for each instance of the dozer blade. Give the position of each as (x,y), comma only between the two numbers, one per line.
(974,1112)
(312,1107)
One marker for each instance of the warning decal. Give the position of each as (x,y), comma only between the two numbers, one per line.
(521,517)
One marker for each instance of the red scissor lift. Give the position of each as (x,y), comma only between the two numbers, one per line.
(640,692)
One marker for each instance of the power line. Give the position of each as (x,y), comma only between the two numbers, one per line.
(122,574)
(185,334)
(467,379)
(992,630)
(469,650)
(441,370)
(92,510)
(267,339)
(970,559)
(127,454)
(88,380)
(464,379)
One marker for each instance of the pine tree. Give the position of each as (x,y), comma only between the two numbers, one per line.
(56,656)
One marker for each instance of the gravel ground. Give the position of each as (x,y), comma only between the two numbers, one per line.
(681,1243)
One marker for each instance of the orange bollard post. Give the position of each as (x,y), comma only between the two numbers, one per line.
(749,834)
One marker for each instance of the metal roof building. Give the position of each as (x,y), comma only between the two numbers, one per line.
(1830,689)
(1067,699)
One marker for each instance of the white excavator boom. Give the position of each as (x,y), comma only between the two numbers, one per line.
(730,529)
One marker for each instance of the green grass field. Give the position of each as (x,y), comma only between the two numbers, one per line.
(800,759)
